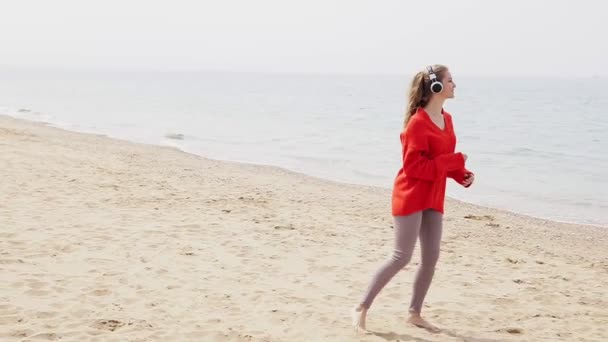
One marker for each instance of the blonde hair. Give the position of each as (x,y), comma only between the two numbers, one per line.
(420,90)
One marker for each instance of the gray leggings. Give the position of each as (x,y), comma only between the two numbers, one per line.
(425,224)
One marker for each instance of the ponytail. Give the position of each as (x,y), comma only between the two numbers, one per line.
(416,97)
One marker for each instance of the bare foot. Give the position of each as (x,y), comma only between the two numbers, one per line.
(418,321)
(358,315)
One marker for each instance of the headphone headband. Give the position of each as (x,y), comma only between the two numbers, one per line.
(432,75)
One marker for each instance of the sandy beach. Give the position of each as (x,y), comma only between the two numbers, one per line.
(107,240)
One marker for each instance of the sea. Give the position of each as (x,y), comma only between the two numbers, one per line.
(538,145)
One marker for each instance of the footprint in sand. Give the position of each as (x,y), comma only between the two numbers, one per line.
(107,324)
(513,331)
(21,333)
(479,218)
(285,227)
(504,301)
(101,292)
(99,261)
(515,261)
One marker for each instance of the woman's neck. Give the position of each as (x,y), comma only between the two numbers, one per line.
(434,107)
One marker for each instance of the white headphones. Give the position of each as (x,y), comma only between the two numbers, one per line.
(436,85)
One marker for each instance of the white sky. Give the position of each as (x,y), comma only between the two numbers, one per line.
(472,37)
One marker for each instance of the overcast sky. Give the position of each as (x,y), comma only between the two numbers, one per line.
(473,37)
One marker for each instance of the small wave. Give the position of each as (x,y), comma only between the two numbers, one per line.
(29,114)
(523,150)
(174,136)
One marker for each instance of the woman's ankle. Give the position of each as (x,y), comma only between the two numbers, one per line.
(360,308)
(414,312)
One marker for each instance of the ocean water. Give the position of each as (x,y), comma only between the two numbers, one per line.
(538,146)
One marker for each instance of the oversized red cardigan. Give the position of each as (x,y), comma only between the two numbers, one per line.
(428,160)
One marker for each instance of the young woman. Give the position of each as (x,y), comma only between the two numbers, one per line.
(429,158)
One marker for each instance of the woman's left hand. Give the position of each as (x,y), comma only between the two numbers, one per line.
(468,180)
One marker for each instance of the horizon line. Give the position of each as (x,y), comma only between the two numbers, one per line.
(281,72)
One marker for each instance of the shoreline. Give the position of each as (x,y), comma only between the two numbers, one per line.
(107,239)
(530,216)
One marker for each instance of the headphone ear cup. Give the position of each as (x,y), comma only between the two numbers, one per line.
(436,87)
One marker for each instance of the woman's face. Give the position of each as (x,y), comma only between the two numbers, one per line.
(448,86)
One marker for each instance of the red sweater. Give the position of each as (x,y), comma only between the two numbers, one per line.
(428,159)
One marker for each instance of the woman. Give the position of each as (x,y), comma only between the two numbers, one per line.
(428,142)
